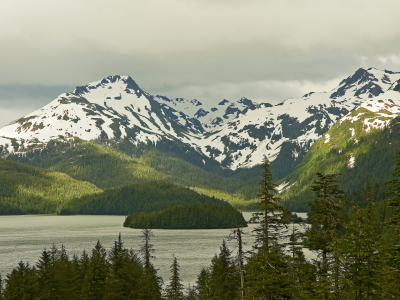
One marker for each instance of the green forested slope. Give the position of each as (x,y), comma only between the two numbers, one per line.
(107,167)
(151,196)
(374,155)
(193,216)
(27,189)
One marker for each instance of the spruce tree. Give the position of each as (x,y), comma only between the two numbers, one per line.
(361,244)
(45,272)
(95,277)
(174,290)
(267,268)
(203,288)
(151,282)
(191,293)
(302,273)
(325,221)
(224,282)
(21,283)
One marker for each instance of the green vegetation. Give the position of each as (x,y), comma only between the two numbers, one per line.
(151,196)
(374,155)
(193,216)
(26,189)
(236,200)
(106,167)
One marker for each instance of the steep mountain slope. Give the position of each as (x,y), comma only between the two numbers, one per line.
(361,144)
(210,115)
(285,132)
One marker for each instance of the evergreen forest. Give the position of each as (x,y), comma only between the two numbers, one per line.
(357,247)
(192,216)
(146,197)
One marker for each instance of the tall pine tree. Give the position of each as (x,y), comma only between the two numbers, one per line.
(325,221)
(174,290)
(267,268)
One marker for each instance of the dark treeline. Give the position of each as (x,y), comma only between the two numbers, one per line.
(146,197)
(357,257)
(193,216)
(118,274)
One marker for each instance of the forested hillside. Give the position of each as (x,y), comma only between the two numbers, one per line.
(103,165)
(26,189)
(356,157)
(151,196)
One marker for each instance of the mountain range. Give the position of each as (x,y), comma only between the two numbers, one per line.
(222,140)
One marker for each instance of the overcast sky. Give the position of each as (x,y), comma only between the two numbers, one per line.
(266,50)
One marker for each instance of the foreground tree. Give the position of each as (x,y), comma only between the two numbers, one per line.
(174,290)
(96,275)
(151,281)
(224,282)
(203,284)
(236,235)
(267,268)
(325,221)
(360,246)
(21,284)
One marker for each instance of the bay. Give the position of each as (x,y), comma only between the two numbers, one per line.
(24,238)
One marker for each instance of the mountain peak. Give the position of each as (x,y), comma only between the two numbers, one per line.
(126,80)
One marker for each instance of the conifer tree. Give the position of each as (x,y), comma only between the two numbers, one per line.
(95,277)
(21,284)
(191,293)
(325,220)
(301,272)
(267,268)
(117,254)
(45,275)
(224,281)
(203,284)
(361,244)
(237,235)
(174,290)
(152,283)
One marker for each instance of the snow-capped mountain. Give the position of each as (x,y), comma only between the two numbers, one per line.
(114,107)
(293,125)
(236,134)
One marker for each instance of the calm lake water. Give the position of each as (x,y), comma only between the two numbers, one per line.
(24,238)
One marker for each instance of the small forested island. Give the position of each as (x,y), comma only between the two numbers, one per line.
(193,216)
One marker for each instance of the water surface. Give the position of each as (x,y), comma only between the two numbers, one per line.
(24,238)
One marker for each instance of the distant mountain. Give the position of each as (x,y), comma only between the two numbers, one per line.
(225,138)
(361,144)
